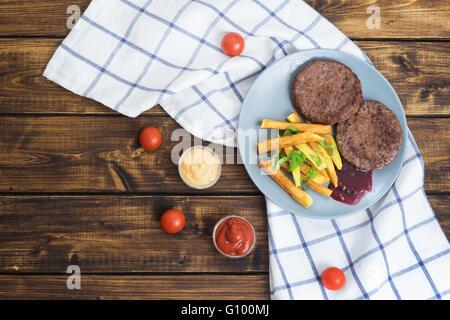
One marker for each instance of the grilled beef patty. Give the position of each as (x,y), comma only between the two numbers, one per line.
(326,91)
(371,138)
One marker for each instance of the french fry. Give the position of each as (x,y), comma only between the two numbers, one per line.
(286,184)
(311,183)
(282,142)
(319,188)
(320,178)
(285,166)
(296,171)
(321,153)
(311,156)
(293,117)
(288,150)
(324,174)
(282,125)
(336,157)
(296,175)
(330,166)
(332,172)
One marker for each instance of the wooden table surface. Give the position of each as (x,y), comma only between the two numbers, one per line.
(76,189)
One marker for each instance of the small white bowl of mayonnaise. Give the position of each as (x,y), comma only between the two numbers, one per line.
(199,167)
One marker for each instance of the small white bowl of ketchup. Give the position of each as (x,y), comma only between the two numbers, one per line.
(234,237)
(199,167)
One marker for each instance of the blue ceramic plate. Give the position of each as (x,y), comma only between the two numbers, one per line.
(269,98)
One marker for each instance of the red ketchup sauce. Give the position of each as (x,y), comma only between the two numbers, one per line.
(353,184)
(234,236)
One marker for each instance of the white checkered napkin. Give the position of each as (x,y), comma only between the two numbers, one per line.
(133,54)
(393,250)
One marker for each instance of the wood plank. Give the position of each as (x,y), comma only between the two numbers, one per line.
(399,19)
(98,154)
(149,287)
(441,206)
(415,19)
(436,155)
(122,233)
(37,18)
(417,71)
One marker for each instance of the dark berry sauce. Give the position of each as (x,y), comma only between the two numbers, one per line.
(353,184)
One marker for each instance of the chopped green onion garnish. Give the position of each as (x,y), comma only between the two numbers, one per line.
(311,174)
(290,131)
(296,159)
(321,151)
(328,146)
(316,160)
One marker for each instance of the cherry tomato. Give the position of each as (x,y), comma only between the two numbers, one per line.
(150,138)
(233,44)
(333,278)
(172,221)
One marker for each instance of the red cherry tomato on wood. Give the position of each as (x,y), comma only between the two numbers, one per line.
(150,138)
(233,44)
(172,221)
(333,278)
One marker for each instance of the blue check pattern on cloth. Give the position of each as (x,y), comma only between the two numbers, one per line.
(133,54)
(393,250)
